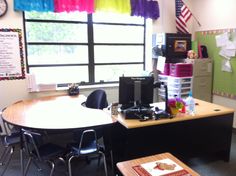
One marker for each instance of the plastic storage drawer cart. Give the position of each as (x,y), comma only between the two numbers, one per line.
(181,70)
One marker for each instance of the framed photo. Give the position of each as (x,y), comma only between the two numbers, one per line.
(180,46)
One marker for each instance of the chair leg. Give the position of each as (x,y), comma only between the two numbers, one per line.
(8,161)
(69,165)
(104,161)
(36,165)
(52,167)
(22,161)
(99,159)
(112,163)
(3,155)
(27,166)
(62,159)
(88,160)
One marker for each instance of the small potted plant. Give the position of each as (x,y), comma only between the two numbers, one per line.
(176,105)
(73,89)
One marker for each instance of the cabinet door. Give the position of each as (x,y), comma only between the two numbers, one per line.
(202,88)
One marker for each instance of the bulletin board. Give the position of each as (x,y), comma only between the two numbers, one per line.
(224,83)
(11,54)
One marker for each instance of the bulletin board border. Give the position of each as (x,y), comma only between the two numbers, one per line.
(224,94)
(217,31)
(22,76)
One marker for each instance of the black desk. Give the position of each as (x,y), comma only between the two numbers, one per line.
(185,136)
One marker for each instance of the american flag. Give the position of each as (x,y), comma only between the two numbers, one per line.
(183,14)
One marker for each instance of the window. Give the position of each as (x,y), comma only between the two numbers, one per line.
(75,47)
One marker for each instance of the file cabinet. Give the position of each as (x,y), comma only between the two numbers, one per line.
(202,78)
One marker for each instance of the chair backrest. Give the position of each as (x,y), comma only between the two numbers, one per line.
(6,128)
(2,126)
(31,143)
(88,141)
(97,99)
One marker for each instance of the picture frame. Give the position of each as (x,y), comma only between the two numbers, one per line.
(180,46)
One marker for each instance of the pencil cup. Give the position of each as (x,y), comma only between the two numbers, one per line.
(114,108)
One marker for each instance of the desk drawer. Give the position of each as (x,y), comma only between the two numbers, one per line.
(202,87)
(202,67)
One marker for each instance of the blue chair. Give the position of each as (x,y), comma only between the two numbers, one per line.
(38,151)
(10,138)
(88,146)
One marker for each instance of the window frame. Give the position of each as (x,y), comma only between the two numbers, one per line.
(90,43)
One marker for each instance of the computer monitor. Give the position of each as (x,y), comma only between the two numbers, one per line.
(176,46)
(136,91)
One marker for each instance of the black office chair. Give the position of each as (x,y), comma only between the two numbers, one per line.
(10,138)
(96,100)
(88,146)
(38,151)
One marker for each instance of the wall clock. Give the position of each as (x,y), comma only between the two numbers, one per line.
(3,7)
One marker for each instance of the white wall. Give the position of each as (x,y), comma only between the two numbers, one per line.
(11,91)
(214,14)
(166,22)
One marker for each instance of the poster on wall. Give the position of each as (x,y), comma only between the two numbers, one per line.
(11,54)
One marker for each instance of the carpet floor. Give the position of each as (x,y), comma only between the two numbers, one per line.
(204,166)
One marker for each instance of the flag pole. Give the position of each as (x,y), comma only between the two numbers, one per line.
(194,16)
(196,20)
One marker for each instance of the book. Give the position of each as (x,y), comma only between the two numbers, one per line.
(164,167)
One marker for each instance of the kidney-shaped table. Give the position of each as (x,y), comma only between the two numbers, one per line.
(55,113)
